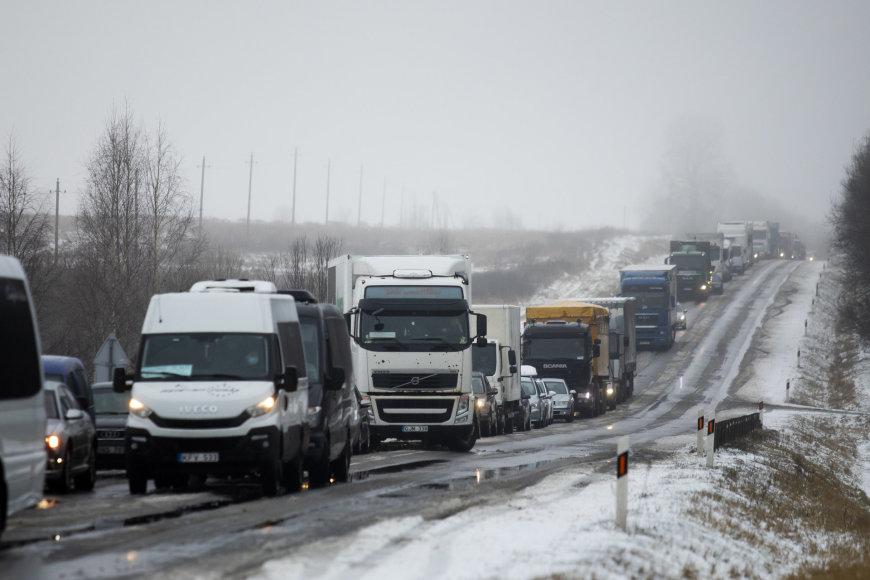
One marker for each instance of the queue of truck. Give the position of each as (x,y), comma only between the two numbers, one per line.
(238,378)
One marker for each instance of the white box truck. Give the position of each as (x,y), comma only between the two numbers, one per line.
(409,317)
(498,361)
(220,388)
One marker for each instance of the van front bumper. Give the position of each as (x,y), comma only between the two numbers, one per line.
(213,455)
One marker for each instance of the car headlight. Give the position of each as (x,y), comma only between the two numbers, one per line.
(534,406)
(314,415)
(480,403)
(52,441)
(262,407)
(139,409)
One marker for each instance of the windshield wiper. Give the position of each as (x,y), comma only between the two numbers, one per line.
(443,341)
(386,341)
(167,374)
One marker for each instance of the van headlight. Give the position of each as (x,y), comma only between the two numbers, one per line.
(139,409)
(262,407)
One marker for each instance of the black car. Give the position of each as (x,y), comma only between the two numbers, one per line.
(331,392)
(70,441)
(484,404)
(111,410)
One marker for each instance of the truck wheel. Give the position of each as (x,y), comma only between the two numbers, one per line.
(293,473)
(137,478)
(270,478)
(465,443)
(341,466)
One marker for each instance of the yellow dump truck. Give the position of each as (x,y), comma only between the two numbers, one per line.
(570,340)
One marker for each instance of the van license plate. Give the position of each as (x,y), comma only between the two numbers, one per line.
(415,428)
(197,457)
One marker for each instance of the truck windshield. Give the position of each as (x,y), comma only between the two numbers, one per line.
(417,329)
(689,262)
(483,359)
(648,299)
(560,348)
(204,356)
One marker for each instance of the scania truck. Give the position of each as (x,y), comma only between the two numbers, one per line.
(569,340)
(498,361)
(409,318)
(655,291)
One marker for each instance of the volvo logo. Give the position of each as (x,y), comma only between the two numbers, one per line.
(415,381)
(197,409)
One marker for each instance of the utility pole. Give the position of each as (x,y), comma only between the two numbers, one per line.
(250,184)
(201,191)
(56,218)
(328,170)
(359,202)
(293,210)
(383,200)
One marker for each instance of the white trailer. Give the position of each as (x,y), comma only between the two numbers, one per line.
(498,360)
(739,232)
(409,318)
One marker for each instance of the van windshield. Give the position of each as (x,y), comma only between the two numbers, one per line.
(204,356)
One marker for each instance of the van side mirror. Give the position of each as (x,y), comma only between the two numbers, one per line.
(335,379)
(289,381)
(119,380)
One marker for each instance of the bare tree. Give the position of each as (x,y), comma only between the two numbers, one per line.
(325,248)
(24,226)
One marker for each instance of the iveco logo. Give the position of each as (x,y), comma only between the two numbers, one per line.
(197,409)
(555,366)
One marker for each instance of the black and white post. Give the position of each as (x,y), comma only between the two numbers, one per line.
(622,481)
(711,438)
(701,431)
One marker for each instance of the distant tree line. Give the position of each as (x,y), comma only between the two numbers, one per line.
(134,236)
(850,217)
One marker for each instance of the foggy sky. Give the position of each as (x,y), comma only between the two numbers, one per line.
(559,112)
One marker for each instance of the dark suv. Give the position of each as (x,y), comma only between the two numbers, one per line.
(331,396)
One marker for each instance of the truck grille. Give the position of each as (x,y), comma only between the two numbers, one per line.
(421,381)
(414,410)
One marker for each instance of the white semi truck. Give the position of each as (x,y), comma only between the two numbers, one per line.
(409,317)
(498,361)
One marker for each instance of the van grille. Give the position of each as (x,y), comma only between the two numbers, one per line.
(199,423)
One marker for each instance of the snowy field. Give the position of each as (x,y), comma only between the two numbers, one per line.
(565,526)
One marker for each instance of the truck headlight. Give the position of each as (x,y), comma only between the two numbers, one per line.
(139,409)
(703,286)
(262,407)
(463,405)
(609,389)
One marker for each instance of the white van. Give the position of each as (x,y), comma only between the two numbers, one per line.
(220,388)
(22,402)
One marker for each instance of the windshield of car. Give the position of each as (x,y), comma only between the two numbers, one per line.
(203,356)
(558,387)
(51,405)
(477,386)
(108,402)
(528,387)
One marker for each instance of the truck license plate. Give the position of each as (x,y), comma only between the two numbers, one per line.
(197,457)
(415,428)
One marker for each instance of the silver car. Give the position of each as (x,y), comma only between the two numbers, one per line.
(70,441)
(562,399)
(530,390)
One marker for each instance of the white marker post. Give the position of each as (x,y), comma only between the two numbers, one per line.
(622,482)
(701,431)
(711,435)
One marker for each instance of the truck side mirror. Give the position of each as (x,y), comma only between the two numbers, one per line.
(119,380)
(289,381)
(625,341)
(512,369)
(480,341)
(481,324)
(335,379)
(596,351)
(512,359)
